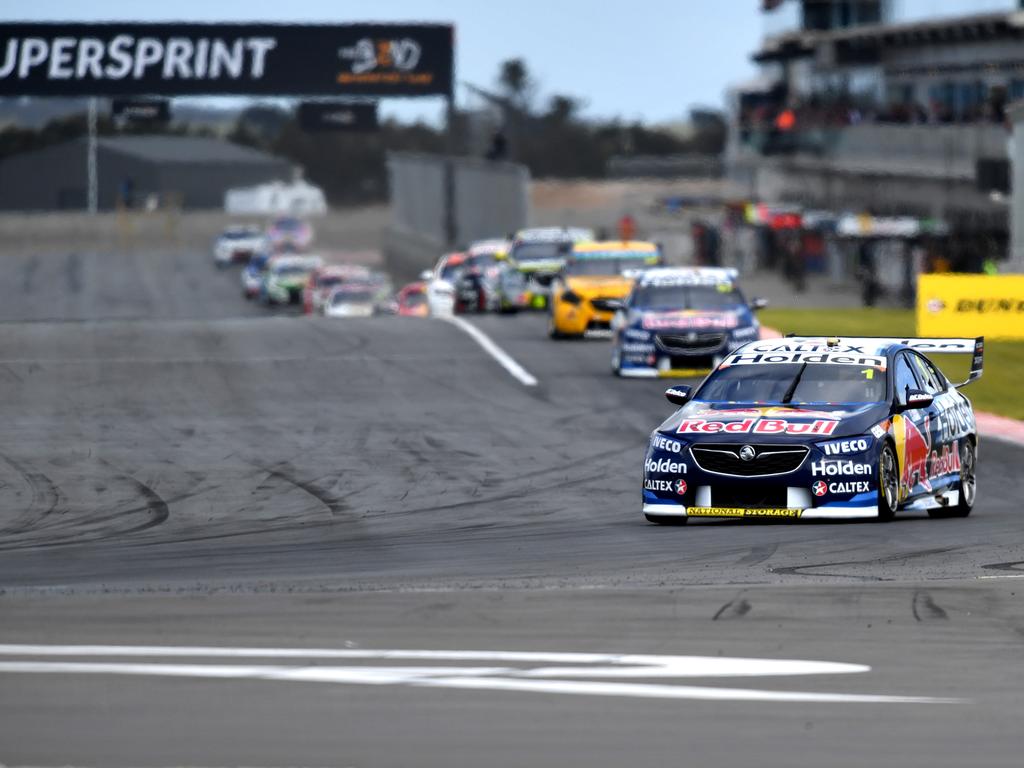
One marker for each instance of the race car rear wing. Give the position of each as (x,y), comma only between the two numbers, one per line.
(974,347)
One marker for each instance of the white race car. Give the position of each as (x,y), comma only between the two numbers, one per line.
(237,244)
(441,283)
(352,299)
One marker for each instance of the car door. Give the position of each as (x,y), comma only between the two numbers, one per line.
(913,432)
(944,456)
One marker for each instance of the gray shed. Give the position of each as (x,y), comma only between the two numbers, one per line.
(195,170)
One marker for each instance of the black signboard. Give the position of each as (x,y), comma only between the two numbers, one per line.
(141,110)
(113,59)
(321,116)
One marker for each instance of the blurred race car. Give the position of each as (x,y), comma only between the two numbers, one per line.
(412,301)
(486,257)
(818,428)
(252,275)
(288,234)
(681,321)
(540,254)
(510,294)
(286,277)
(324,279)
(237,244)
(441,282)
(595,281)
(352,299)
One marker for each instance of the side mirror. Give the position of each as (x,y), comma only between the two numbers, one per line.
(916,399)
(758,303)
(426,275)
(679,395)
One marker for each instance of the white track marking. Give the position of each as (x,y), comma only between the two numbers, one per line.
(535,679)
(504,358)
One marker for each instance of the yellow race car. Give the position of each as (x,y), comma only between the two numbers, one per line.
(596,278)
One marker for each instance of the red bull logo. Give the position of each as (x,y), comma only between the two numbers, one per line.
(921,464)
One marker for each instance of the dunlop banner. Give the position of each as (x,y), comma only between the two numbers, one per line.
(971,305)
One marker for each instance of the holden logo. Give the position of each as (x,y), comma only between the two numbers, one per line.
(691,336)
(935,305)
(747,453)
(819,488)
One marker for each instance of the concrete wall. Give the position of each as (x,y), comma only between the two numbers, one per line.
(490,200)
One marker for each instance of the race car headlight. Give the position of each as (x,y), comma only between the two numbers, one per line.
(570,297)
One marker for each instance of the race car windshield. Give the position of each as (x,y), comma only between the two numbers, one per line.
(239,234)
(352,297)
(818,383)
(722,296)
(290,271)
(451,271)
(527,252)
(604,266)
(288,225)
(328,280)
(416,299)
(482,260)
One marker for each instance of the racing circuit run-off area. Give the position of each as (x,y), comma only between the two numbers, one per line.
(321,448)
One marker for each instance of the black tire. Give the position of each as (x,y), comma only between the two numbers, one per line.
(888,483)
(553,332)
(666,519)
(968,484)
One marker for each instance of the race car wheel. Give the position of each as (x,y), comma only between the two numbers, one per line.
(616,361)
(666,519)
(553,332)
(888,483)
(968,484)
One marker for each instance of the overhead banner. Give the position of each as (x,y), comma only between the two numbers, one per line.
(971,305)
(355,118)
(113,59)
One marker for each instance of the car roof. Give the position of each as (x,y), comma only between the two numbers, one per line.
(553,234)
(292,260)
(613,249)
(688,276)
(484,247)
(343,270)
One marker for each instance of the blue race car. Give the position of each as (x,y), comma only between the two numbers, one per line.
(681,321)
(818,428)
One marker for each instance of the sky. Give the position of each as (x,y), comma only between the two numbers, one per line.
(647,60)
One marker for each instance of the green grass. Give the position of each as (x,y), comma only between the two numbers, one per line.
(1000,390)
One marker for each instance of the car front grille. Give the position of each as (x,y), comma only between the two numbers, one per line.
(695,343)
(724,459)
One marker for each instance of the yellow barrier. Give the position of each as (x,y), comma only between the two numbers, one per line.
(971,305)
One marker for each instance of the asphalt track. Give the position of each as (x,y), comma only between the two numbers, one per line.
(182,469)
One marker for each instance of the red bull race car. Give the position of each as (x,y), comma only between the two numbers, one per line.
(830,428)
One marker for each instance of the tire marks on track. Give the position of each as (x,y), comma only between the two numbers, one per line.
(815,569)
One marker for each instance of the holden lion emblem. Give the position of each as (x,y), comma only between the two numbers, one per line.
(747,453)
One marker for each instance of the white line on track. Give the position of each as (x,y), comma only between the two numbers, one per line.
(546,672)
(504,358)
